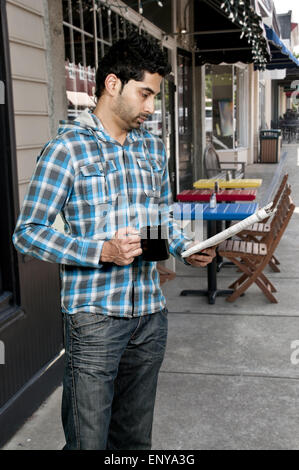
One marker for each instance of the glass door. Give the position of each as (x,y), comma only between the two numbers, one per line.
(169,130)
(185,120)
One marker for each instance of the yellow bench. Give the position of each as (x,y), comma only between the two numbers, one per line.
(233,183)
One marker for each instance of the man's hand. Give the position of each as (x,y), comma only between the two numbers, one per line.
(123,248)
(202,260)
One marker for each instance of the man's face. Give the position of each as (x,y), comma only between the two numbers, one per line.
(135,103)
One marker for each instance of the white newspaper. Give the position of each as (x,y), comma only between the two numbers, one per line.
(258,216)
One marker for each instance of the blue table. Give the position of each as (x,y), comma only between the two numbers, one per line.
(222,211)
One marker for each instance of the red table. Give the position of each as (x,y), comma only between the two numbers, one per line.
(223,195)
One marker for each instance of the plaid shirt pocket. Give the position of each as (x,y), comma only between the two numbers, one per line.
(151,178)
(93,186)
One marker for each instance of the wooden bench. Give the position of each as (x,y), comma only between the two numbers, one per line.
(252,258)
(272,189)
(258,231)
(213,168)
(273,194)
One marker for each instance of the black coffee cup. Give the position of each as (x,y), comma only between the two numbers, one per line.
(154,243)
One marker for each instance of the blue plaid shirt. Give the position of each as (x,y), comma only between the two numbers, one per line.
(98,186)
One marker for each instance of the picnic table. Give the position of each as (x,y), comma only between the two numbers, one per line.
(223,211)
(233,183)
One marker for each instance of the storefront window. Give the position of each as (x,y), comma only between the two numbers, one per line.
(226,106)
(89,30)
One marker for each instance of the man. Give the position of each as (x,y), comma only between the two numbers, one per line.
(104,173)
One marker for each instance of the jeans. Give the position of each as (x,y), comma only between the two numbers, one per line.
(110,379)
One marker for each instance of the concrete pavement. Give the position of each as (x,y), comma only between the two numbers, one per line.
(227,381)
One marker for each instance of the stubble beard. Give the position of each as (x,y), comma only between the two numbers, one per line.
(125,115)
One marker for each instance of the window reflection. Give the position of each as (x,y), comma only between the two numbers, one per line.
(154,122)
(90,28)
(226,106)
(220,113)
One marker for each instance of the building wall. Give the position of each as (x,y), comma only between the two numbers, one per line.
(255,116)
(37,63)
(184,20)
(30,84)
(251,115)
(282,102)
(294,37)
(268,102)
(55,56)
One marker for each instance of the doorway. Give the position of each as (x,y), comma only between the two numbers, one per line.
(185,120)
(8,192)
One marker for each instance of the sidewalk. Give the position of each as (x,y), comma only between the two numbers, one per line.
(227,381)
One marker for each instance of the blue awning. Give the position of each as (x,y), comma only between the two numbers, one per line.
(281,57)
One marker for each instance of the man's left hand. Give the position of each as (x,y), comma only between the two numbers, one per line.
(200,260)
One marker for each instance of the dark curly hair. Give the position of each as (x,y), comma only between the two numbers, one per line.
(130,58)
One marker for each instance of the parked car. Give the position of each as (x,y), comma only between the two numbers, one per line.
(154,123)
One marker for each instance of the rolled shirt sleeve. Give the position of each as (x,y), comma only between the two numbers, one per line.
(48,192)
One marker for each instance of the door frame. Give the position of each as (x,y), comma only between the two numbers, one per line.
(187,54)
(9,203)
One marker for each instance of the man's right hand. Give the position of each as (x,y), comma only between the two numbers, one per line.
(123,248)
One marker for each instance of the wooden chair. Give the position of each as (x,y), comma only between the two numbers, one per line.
(252,258)
(213,167)
(260,230)
(165,273)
